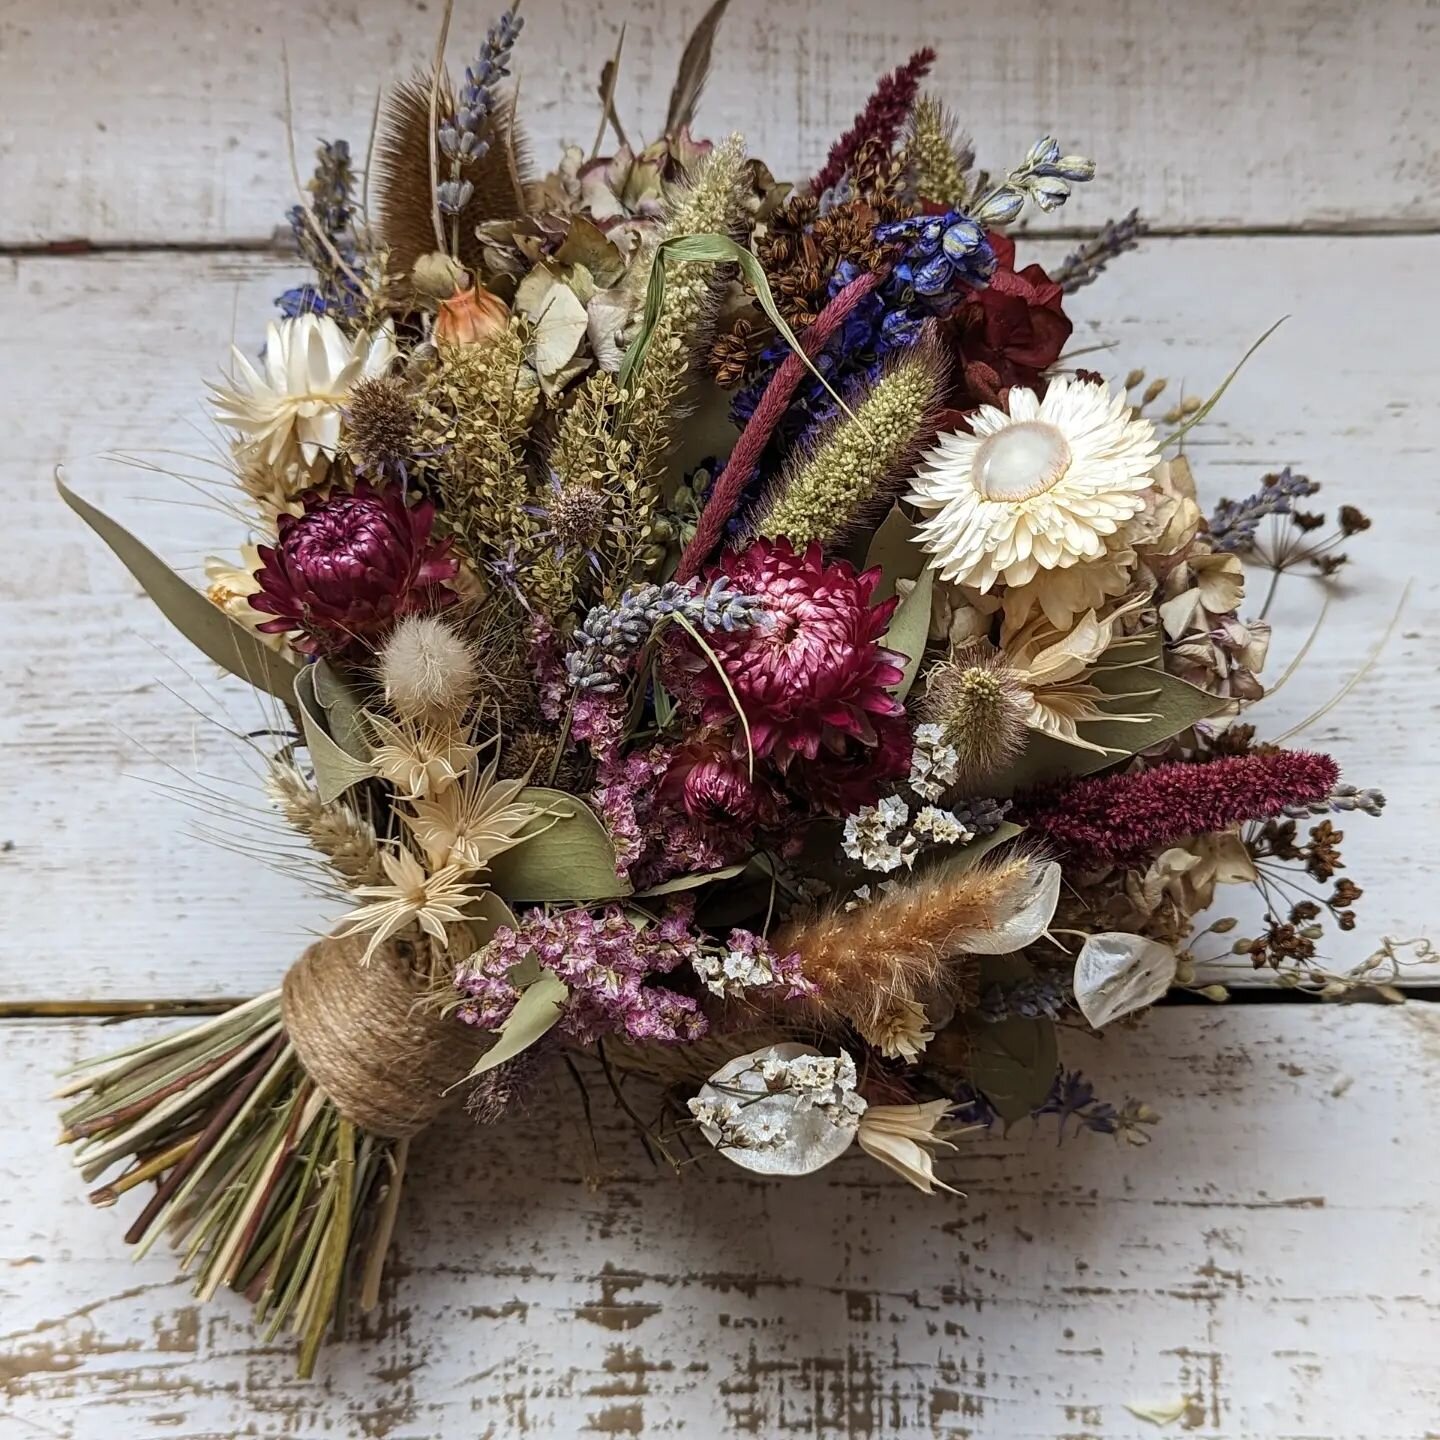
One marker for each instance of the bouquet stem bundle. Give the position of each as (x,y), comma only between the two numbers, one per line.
(277,1133)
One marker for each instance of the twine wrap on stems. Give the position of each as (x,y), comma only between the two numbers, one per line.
(370,1039)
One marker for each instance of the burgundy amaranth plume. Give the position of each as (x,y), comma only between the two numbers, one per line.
(1121,816)
(882,119)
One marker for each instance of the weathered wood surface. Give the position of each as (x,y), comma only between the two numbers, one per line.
(110,353)
(153,123)
(1273,1258)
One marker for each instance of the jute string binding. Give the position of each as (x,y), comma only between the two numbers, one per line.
(370,1039)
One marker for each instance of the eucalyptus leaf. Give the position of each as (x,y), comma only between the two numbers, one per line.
(1117,973)
(1176,706)
(207,627)
(536,1012)
(335,770)
(344,716)
(573,858)
(964,856)
(894,549)
(1013,1063)
(692,882)
(909,630)
(587,244)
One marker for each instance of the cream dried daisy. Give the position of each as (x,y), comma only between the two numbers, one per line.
(230,588)
(412,895)
(472,822)
(1040,488)
(419,760)
(901,1031)
(293,405)
(905,1138)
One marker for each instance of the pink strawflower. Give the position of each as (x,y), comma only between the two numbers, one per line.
(714,786)
(342,573)
(814,675)
(1127,816)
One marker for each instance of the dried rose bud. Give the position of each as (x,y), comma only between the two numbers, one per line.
(470,317)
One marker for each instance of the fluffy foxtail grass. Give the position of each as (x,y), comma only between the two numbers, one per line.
(263,1186)
(850,474)
(905,944)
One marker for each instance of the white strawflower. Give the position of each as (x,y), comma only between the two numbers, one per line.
(1038,489)
(310,367)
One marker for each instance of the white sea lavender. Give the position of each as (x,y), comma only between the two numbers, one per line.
(783,1110)
(870,835)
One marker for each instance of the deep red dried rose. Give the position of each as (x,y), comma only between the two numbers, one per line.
(343,572)
(859,774)
(1007,332)
(813,674)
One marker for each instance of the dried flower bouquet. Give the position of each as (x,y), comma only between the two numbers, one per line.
(710,624)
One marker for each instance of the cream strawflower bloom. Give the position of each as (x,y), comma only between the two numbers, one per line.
(901,1032)
(1038,489)
(231,587)
(904,1138)
(310,366)
(430,901)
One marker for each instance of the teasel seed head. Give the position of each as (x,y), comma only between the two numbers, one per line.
(428,669)
(982,705)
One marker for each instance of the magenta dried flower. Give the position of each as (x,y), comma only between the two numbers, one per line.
(342,573)
(814,674)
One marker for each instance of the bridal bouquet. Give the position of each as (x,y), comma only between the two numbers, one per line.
(706,622)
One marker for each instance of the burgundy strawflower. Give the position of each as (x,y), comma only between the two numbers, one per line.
(343,572)
(882,119)
(714,786)
(1125,816)
(814,675)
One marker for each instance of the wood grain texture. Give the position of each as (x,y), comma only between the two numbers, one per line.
(97,710)
(1273,1257)
(155,123)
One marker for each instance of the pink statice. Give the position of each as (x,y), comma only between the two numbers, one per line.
(654,837)
(605,961)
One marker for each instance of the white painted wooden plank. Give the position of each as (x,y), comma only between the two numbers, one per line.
(111,353)
(154,122)
(1274,1256)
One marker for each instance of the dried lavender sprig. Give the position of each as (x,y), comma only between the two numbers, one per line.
(1085,264)
(612,634)
(1046,995)
(1233,525)
(1343,798)
(460,135)
(980,816)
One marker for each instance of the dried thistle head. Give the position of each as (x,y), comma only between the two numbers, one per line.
(429,670)
(981,705)
(381,418)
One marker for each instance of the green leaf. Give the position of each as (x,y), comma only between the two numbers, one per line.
(572,859)
(893,549)
(1176,705)
(693,882)
(967,855)
(1013,1063)
(539,1007)
(343,714)
(207,627)
(712,250)
(909,630)
(335,771)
